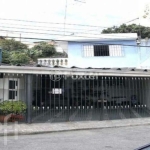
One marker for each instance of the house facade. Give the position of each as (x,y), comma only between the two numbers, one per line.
(75,94)
(103,54)
(105,51)
(104,85)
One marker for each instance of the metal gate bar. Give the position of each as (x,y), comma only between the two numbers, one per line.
(79,98)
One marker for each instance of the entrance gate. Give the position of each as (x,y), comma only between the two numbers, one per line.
(58,98)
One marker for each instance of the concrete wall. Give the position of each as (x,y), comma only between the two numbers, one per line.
(130,58)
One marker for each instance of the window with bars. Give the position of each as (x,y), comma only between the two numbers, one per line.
(12,94)
(102,50)
(13,89)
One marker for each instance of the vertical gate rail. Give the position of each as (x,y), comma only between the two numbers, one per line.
(59,98)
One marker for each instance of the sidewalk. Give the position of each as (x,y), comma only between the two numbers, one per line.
(38,128)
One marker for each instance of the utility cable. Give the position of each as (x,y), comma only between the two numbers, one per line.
(47,27)
(64,35)
(19,20)
(46,39)
(47,30)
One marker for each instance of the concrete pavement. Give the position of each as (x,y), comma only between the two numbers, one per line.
(21,129)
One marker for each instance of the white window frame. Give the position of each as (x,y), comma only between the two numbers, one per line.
(15,89)
(88,51)
(116,50)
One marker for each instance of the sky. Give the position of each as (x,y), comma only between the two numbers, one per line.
(99,13)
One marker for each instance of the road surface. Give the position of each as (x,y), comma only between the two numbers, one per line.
(124,138)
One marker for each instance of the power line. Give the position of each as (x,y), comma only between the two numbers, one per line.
(51,22)
(46,27)
(42,33)
(46,30)
(132,20)
(129,21)
(57,34)
(52,30)
(74,41)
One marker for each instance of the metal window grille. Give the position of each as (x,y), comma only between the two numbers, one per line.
(102,50)
(13,85)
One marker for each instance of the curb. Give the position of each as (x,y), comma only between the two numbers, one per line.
(73,129)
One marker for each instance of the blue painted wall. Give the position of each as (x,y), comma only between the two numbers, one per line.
(144,51)
(130,58)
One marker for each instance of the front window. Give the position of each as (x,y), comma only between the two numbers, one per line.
(102,50)
(13,85)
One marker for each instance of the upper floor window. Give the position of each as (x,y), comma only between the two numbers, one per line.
(102,50)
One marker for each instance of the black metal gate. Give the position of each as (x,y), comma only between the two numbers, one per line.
(59,98)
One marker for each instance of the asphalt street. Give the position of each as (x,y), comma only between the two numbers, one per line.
(124,138)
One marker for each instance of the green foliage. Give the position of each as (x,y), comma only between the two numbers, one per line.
(12,45)
(15,52)
(61,55)
(44,49)
(5,57)
(16,107)
(133,28)
(19,58)
(33,53)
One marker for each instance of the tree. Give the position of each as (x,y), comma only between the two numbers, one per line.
(60,55)
(33,53)
(133,28)
(19,58)
(5,57)
(12,45)
(15,52)
(44,49)
(9,47)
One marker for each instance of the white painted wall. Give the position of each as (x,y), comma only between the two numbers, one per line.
(4,87)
